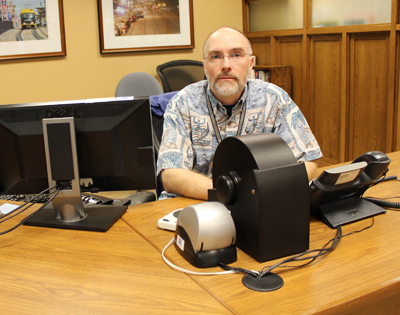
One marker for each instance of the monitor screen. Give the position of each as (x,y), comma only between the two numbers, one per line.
(113,139)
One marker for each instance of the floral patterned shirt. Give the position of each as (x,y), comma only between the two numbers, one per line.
(189,141)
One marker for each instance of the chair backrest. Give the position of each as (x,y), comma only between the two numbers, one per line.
(143,84)
(138,84)
(177,74)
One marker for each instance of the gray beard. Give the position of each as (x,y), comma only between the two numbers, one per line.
(226,88)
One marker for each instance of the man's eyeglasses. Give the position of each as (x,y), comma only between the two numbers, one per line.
(218,58)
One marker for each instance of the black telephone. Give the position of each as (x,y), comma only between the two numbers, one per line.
(377,161)
(335,194)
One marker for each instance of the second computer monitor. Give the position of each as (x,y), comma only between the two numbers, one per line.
(113,138)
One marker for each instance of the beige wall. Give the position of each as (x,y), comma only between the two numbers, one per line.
(84,72)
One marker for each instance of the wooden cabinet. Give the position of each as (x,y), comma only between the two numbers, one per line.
(345,79)
(279,75)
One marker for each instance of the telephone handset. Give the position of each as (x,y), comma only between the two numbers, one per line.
(377,161)
(335,194)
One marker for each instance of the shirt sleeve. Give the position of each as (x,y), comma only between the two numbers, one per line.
(176,149)
(292,127)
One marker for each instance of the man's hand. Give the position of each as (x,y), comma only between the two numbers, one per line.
(186,183)
(196,185)
(311,168)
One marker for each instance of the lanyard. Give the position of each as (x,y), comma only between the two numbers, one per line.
(214,122)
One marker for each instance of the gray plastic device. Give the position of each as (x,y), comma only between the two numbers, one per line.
(205,235)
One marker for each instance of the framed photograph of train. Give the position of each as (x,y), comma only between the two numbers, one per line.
(31,28)
(145,25)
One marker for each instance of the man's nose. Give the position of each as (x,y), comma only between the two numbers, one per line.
(226,63)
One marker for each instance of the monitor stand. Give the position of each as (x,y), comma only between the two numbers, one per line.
(67,210)
(99,218)
(347,210)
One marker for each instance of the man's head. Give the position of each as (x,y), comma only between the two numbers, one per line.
(227,60)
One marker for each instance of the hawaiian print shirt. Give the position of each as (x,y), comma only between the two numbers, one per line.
(189,141)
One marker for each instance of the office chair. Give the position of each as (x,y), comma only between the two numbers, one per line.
(177,74)
(138,84)
(144,84)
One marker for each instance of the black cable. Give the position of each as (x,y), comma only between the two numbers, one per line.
(363,229)
(242,270)
(23,205)
(379,201)
(58,188)
(13,212)
(325,249)
(41,207)
(321,252)
(382,179)
(385,179)
(299,257)
(384,203)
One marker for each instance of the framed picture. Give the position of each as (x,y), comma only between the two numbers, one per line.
(31,28)
(145,25)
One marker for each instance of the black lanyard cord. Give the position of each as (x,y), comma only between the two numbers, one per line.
(214,122)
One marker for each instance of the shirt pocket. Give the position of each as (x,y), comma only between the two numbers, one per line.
(254,124)
(201,132)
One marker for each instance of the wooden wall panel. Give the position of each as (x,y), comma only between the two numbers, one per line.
(397,94)
(345,79)
(262,50)
(369,121)
(325,95)
(289,51)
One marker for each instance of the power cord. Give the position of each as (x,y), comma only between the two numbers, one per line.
(27,205)
(169,263)
(391,205)
(266,271)
(299,257)
(383,202)
(312,254)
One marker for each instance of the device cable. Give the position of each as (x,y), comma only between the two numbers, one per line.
(391,205)
(237,269)
(169,263)
(323,251)
(22,209)
(299,257)
(30,202)
(54,194)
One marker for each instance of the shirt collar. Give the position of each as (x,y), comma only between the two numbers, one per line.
(215,103)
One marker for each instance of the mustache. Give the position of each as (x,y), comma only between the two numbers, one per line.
(224,74)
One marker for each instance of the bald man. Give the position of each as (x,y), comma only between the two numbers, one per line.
(226,104)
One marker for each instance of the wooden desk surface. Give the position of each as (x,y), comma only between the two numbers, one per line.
(55,271)
(361,276)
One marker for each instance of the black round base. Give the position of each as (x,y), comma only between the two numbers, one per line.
(269,282)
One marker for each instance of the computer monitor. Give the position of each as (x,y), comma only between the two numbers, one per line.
(114,147)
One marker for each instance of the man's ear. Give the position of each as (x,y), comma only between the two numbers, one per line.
(252,58)
(204,68)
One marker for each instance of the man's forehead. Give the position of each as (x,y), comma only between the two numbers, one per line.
(224,48)
(226,40)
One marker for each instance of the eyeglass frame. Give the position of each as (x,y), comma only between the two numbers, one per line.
(229,57)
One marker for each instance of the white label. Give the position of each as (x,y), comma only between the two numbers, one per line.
(180,242)
(347,177)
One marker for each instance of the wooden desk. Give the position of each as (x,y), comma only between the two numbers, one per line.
(52,271)
(55,271)
(361,276)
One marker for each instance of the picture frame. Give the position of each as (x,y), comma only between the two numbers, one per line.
(31,32)
(129,26)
